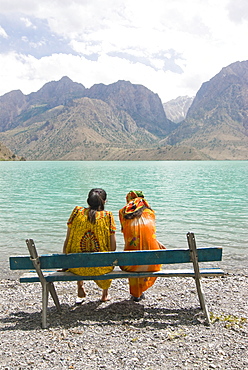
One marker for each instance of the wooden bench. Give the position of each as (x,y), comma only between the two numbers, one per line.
(125,258)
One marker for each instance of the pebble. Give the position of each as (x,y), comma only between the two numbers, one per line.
(164,331)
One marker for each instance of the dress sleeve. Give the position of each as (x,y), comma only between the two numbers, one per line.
(112,225)
(73,215)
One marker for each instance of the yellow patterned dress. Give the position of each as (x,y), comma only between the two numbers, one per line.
(88,237)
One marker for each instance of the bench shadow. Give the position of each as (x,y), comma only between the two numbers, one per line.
(124,312)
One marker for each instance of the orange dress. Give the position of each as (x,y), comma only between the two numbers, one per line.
(140,234)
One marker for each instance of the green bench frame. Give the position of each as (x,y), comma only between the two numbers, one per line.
(125,258)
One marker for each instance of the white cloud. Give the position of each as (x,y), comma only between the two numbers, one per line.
(238,10)
(20,6)
(3,33)
(171,47)
(27,22)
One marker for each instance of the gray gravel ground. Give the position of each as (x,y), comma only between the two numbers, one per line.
(164,331)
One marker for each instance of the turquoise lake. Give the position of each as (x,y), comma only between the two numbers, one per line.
(209,198)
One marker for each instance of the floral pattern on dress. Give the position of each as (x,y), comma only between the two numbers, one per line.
(89,242)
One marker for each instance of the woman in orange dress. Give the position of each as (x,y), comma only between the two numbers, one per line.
(91,229)
(138,226)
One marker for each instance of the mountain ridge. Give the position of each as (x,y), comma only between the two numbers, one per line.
(64,120)
(7,155)
(138,101)
(217,120)
(177,109)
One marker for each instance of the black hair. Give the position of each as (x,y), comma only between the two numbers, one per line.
(96,200)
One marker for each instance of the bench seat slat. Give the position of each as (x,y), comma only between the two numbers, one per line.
(127,258)
(53,276)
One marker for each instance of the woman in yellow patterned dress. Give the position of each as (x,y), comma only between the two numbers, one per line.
(138,226)
(91,229)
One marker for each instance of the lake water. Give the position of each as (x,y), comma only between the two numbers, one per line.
(206,197)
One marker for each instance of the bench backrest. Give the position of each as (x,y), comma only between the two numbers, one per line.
(125,258)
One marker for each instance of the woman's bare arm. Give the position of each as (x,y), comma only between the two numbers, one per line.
(66,239)
(161,246)
(112,242)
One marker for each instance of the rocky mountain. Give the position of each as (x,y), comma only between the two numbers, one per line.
(16,108)
(123,121)
(63,120)
(7,155)
(11,105)
(140,103)
(57,93)
(137,101)
(177,109)
(217,121)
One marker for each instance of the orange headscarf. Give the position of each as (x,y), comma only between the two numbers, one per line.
(135,201)
(134,194)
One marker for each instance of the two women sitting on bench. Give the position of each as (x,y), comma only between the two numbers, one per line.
(93,229)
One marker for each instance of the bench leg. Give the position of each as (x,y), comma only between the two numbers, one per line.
(54,296)
(44,304)
(46,288)
(194,259)
(202,299)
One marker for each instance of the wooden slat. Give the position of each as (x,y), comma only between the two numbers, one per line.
(127,258)
(53,276)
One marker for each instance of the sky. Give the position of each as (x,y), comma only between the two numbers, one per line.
(169,46)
